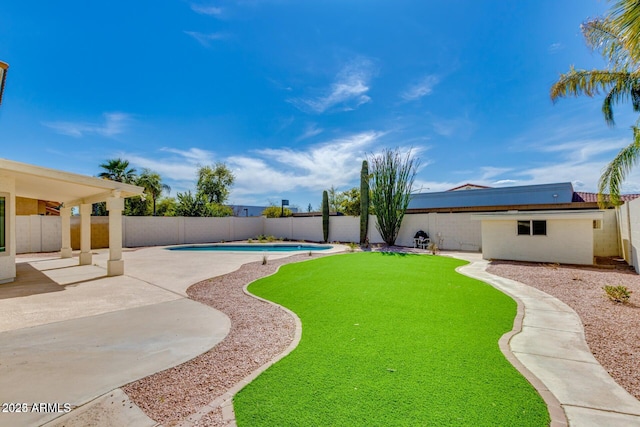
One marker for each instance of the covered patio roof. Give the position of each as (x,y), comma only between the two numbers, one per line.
(69,189)
(72,189)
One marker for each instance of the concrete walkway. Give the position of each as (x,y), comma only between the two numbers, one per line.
(552,346)
(71,335)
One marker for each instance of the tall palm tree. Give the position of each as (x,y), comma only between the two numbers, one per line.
(118,170)
(152,182)
(616,37)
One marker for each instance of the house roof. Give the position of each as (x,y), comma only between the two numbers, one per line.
(580,196)
(542,194)
(36,182)
(468,186)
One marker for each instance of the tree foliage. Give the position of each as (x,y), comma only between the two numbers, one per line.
(118,170)
(197,205)
(276,212)
(617,38)
(166,206)
(153,186)
(215,182)
(392,176)
(350,202)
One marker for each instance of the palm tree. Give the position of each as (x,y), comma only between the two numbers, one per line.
(118,170)
(152,182)
(616,38)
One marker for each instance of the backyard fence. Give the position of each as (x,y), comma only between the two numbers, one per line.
(34,233)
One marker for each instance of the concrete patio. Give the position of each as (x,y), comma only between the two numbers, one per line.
(70,334)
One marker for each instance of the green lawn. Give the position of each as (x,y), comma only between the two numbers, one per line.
(390,339)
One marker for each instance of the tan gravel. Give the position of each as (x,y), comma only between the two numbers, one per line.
(259,332)
(612,329)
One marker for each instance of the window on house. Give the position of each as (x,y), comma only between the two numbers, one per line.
(539,228)
(532,228)
(3,224)
(524,228)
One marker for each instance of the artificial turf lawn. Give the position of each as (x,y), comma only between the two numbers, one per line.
(390,339)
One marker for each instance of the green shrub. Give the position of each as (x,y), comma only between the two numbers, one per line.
(618,293)
(352,246)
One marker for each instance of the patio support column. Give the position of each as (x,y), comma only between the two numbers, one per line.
(115,265)
(65,218)
(85,234)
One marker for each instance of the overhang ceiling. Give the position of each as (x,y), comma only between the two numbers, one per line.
(36,182)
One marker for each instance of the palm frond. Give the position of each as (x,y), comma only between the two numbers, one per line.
(602,35)
(616,171)
(625,17)
(619,86)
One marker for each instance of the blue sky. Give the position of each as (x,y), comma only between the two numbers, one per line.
(292,94)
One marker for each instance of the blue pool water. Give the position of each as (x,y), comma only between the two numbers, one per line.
(254,247)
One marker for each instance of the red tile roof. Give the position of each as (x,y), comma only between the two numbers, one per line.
(579,196)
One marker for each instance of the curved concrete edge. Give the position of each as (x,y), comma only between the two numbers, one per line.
(124,361)
(113,408)
(556,413)
(225,401)
(548,346)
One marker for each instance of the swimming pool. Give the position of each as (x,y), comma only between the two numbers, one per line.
(254,247)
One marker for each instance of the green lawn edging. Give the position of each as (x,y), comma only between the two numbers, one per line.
(390,339)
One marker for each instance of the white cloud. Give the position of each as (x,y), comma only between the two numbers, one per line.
(555,47)
(489,172)
(423,88)
(348,92)
(205,39)
(461,127)
(113,124)
(269,171)
(206,10)
(310,131)
(505,182)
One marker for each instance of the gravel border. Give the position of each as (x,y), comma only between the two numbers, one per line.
(260,331)
(612,330)
(190,394)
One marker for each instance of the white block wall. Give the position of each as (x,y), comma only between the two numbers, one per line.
(566,242)
(629,219)
(606,241)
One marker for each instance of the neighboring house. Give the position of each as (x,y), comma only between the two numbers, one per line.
(468,186)
(540,223)
(27,206)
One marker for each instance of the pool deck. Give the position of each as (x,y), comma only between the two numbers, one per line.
(69,334)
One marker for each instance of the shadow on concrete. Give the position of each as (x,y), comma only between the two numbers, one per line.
(31,281)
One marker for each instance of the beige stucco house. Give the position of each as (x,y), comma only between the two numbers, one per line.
(565,237)
(70,190)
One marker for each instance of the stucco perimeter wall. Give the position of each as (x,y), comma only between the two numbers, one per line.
(42,233)
(566,242)
(629,223)
(606,240)
(38,233)
(450,231)
(160,231)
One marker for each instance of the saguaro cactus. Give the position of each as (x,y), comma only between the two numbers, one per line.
(364,201)
(325,215)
